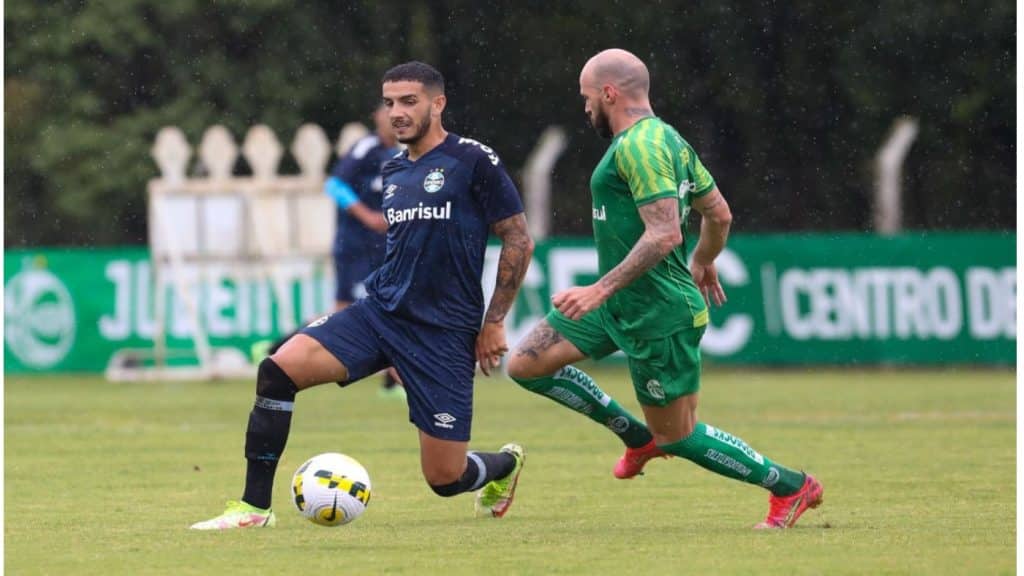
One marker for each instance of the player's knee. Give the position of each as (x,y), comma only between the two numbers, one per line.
(447,490)
(522,367)
(439,477)
(273,382)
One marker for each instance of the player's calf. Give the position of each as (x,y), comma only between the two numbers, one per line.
(267,431)
(481,468)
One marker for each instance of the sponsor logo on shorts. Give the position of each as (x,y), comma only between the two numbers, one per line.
(730,463)
(735,442)
(619,424)
(655,390)
(434,180)
(771,478)
(318,322)
(444,420)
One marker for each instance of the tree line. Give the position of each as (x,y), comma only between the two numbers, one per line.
(785,102)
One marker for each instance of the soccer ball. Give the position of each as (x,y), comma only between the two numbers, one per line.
(331,489)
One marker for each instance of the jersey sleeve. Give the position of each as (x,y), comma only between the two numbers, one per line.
(644,162)
(494,189)
(347,169)
(703,182)
(351,166)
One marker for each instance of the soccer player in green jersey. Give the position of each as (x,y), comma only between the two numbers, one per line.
(648,302)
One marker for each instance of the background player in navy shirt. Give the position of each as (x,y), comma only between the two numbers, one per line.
(422,314)
(356,185)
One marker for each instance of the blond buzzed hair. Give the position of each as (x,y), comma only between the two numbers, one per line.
(621,69)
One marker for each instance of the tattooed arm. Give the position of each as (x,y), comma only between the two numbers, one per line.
(516,249)
(661,235)
(716,218)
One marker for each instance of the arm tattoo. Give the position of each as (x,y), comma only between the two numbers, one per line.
(639,112)
(542,337)
(711,204)
(661,218)
(516,249)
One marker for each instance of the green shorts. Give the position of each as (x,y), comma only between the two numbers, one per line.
(662,369)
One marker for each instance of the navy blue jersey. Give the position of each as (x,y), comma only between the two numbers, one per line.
(361,170)
(439,211)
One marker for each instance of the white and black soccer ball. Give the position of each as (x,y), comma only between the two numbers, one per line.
(331,489)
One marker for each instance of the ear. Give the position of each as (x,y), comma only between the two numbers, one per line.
(609,94)
(438,104)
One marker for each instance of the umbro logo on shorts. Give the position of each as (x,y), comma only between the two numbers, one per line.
(444,420)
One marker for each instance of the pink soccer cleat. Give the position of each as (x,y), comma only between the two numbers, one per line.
(632,462)
(784,511)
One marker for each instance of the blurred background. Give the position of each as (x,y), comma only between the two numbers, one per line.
(787,103)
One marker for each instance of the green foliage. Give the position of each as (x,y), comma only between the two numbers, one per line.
(786,102)
(918,468)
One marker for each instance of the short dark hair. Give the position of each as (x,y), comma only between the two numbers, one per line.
(415,71)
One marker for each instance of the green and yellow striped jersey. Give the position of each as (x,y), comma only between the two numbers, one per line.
(647,162)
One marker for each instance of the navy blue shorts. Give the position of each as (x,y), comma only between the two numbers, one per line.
(349,273)
(435,364)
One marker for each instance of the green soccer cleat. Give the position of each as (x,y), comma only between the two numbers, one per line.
(260,350)
(495,498)
(238,515)
(396,392)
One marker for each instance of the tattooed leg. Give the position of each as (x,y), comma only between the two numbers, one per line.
(541,364)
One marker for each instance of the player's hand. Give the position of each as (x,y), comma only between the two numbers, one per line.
(706,278)
(491,346)
(576,302)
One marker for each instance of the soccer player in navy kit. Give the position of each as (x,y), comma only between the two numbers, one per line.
(422,314)
(356,185)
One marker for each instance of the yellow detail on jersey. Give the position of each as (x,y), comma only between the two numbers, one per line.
(643,162)
(702,176)
(701,318)
(644,145)
(624,161)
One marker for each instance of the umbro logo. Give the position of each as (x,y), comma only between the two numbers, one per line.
(390,191)
(444,420)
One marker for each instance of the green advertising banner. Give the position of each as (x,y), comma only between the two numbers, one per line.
(793,299)
(70,310)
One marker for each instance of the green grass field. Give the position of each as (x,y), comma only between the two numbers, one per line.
(918,467)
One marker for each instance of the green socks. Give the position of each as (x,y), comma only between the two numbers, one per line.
(573,388)
(727,455)
(708,447)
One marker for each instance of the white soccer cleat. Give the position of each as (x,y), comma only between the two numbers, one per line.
(238,515)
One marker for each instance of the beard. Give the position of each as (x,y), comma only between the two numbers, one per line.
(599,120)
(424,127)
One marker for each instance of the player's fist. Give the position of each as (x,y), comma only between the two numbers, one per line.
(574,303)
(491,346)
